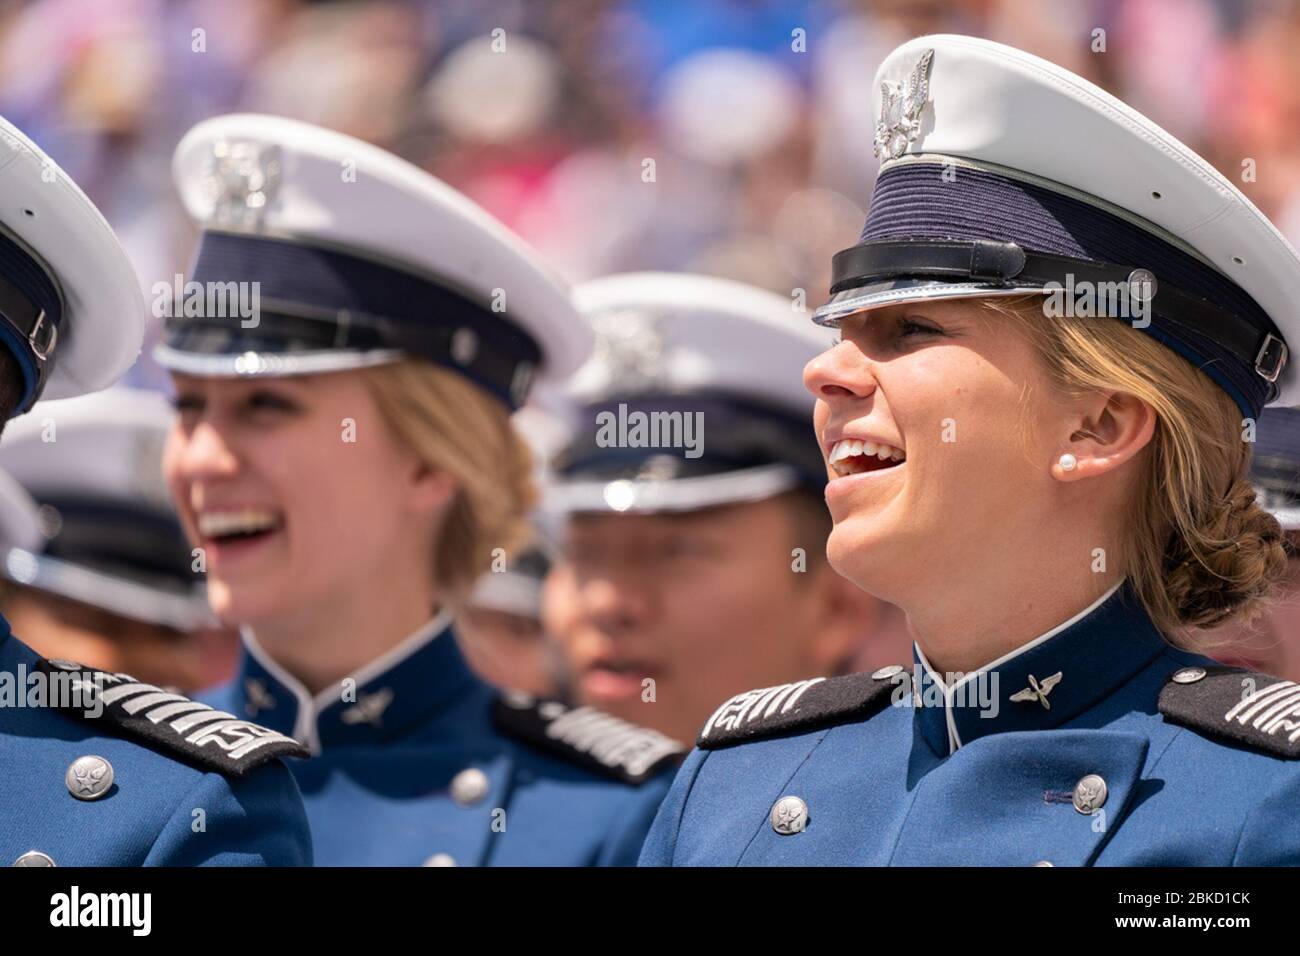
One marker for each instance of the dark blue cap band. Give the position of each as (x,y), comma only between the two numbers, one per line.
(737,434)
(124,539)
(315,299)
(916,200)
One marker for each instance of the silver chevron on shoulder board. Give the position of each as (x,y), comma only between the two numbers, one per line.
(1274,708)
(757,704)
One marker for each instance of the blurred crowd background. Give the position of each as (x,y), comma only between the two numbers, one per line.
(724,137)
(730,137)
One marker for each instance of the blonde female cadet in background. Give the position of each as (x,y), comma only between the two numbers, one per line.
(344,458)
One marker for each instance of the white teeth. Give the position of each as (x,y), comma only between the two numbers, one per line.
(852,448)
(216,524)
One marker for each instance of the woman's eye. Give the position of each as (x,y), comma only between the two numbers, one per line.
(908,328)
(187,404)
(269,401)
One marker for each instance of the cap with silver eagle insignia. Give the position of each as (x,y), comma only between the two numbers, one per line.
(976,197)
(353,257)
(674,351)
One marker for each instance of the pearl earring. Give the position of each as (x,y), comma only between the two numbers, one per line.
(1068,462)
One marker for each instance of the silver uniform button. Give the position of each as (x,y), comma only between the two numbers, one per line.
(469,787)
(1044,863)
(34,858)
(893,670)
(440,859)
(789,816)
(89,777)
(1089,793)
(1189,675)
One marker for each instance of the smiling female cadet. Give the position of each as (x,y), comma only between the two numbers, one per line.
(1072,495)
(344,458)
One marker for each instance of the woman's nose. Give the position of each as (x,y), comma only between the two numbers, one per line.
(840,372)
(202,452)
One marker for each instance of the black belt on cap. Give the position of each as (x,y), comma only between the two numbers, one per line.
(1008,263)
(29,320)
(128,539)
(324,329)
(31,307)
(505,374)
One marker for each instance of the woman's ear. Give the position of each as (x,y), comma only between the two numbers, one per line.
(432,488)
(1109,430)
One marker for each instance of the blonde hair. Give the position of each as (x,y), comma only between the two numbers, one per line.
(458,427)
(1198,549)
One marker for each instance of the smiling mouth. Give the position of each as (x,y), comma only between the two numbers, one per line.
(850,456)
(244,525)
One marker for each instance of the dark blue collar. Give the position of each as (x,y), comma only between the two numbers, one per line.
(386,697)
(1043,683)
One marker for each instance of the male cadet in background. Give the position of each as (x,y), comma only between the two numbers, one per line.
(100,770)
(501,633)
(695,548)
(1272,642)
(113,583)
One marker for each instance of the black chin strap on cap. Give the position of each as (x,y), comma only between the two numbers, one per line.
(1008,264)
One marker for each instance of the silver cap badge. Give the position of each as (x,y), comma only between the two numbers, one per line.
(900,110)
(630,349)
(241,179)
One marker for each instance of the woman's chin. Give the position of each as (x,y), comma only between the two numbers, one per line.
(866,553)
(243,605)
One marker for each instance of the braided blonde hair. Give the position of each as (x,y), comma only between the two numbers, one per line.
(1199,550)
